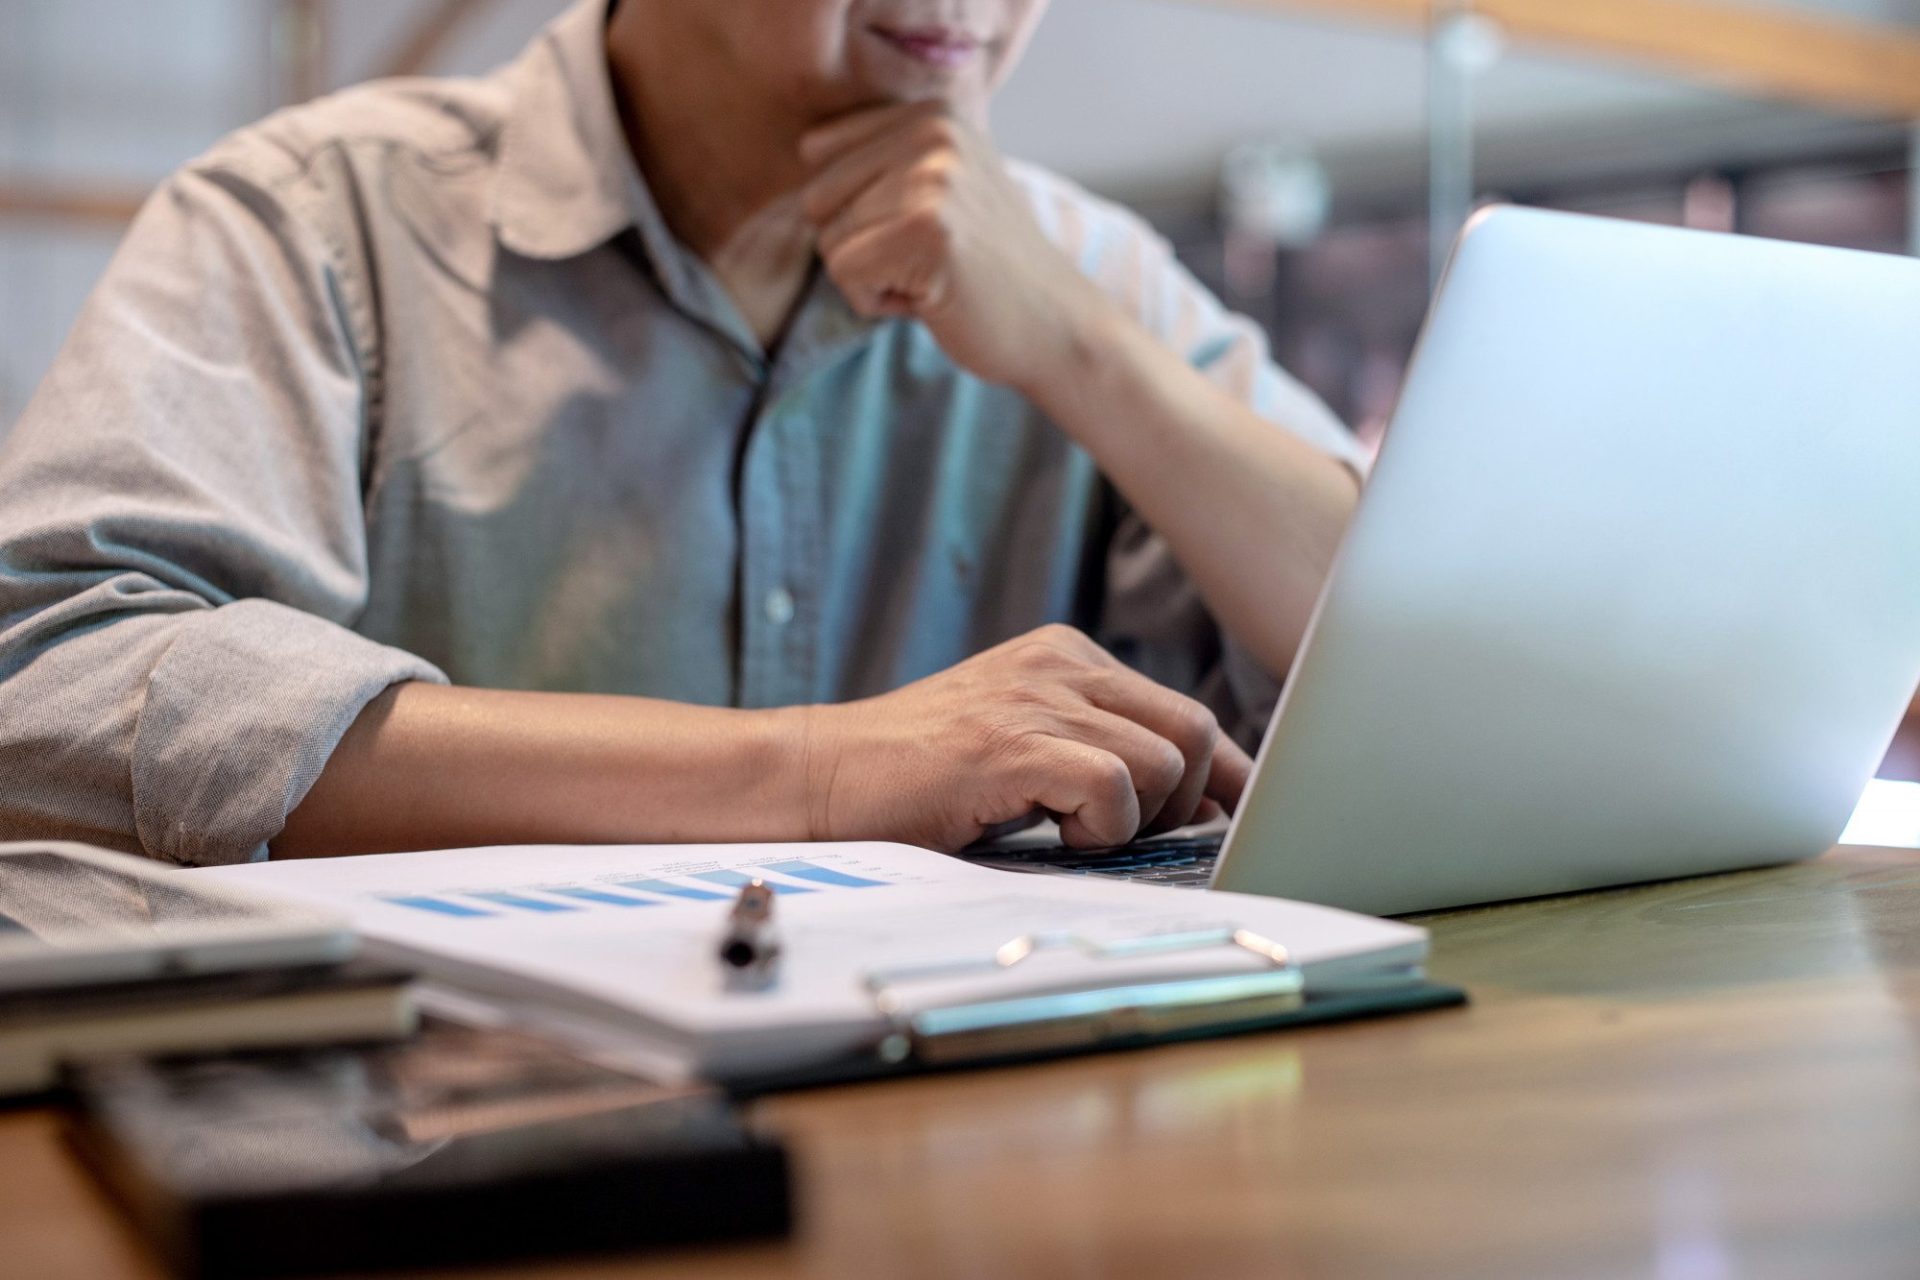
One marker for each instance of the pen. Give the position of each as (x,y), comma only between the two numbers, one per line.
(749,950)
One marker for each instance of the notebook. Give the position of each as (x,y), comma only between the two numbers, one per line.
(199,1013)
(624,939)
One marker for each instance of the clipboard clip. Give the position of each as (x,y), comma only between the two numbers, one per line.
(1053,1022)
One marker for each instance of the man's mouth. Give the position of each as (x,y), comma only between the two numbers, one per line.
(938,47)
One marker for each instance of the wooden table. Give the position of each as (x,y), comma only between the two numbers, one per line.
(1711,1078)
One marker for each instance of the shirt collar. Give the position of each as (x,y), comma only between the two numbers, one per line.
(565,175)
(567,183)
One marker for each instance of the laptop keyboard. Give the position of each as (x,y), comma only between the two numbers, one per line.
(1186,861)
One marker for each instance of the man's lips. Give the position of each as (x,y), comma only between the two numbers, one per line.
(935,47)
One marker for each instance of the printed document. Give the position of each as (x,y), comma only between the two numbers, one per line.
(627,935)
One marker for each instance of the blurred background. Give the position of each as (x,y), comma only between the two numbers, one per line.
(1307,157)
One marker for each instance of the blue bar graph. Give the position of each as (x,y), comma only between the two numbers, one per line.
(674,890)
(438,906)
(824,875)
(738,878)
(541,899)
(524,903)
(601,895)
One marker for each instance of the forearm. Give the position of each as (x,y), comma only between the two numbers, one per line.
(426,767)
(1253,513)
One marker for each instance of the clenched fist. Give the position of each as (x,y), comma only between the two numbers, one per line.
(916,215)
(1049,720)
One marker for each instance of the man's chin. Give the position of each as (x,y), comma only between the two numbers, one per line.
(965,101)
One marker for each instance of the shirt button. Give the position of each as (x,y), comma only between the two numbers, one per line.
(779,606)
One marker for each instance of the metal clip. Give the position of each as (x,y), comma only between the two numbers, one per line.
(1082,1018)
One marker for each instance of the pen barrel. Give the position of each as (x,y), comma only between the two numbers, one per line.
(749,944)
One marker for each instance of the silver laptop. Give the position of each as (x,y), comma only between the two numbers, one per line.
(1633,593)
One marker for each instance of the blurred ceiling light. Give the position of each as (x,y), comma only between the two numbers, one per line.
(1472,44)
(1277,192)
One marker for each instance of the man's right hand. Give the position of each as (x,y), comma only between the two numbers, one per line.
(1048,720)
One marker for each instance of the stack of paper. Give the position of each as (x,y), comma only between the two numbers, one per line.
(199,1013)
(627,935)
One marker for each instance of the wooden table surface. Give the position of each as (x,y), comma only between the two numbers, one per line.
(1705,1079)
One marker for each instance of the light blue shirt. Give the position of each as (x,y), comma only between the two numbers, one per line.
(413,383)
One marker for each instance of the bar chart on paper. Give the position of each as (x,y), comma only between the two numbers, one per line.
(785,877)
(616,948)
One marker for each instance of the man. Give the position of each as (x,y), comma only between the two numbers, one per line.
(694,431)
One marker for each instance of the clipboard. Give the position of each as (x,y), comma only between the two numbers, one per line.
(862,1001)
(1037,1026)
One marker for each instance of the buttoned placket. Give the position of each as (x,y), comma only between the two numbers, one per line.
(779,497)
(779,556)
(779,492)
(783,565)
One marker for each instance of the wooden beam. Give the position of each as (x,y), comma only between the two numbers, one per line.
(415,52)
(1837,64)
(109,208)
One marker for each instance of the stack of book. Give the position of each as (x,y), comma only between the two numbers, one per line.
(203,1013)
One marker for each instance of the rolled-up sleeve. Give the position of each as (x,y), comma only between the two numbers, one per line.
(1151,614)
(1152,608)
(183,537)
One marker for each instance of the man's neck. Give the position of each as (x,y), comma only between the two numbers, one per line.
(725,171)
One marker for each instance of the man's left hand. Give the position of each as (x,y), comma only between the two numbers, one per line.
(917,216)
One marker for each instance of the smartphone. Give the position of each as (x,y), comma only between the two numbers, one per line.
(72,915)
(463,1145)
